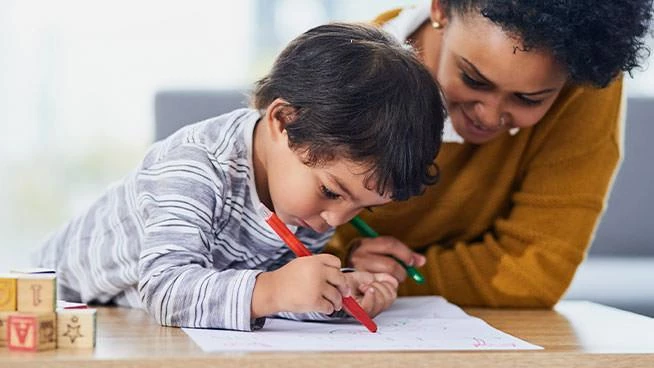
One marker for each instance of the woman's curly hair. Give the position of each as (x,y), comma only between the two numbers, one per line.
(594,39)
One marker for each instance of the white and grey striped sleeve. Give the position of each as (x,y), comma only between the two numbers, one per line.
(179,197)
(315,316)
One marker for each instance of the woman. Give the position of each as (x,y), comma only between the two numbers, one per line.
(534,95)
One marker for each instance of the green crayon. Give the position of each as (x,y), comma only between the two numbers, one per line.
(365,230)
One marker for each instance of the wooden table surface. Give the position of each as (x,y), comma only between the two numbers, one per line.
(574,334)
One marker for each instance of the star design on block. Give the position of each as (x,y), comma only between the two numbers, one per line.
(73,331)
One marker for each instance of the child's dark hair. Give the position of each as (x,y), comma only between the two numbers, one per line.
(593,39)
(359,94)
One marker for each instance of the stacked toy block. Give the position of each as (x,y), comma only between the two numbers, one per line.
(30,319)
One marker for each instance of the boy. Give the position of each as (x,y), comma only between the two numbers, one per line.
(332,132)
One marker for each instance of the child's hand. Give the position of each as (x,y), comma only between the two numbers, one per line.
(375,255)
(306,284)
(375,292)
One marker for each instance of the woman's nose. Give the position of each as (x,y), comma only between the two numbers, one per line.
(489,114)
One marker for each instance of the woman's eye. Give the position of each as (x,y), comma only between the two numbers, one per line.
(528,101)
(328,193)
(470,82)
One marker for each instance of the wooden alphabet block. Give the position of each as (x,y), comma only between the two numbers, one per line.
(76,328)
(4,316)
(31,331)
(37,293)
(7,292)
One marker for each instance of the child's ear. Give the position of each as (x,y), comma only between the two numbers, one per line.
(280,114)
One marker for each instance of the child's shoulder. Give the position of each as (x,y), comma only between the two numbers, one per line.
(216,130)
(221,136)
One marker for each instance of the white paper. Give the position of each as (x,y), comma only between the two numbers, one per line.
(412,323)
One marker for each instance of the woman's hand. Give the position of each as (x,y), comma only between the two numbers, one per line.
(375,292)
(376,255)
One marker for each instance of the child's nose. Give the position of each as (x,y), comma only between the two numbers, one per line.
(336,218)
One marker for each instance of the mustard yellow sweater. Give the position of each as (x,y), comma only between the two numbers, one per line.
(510,220)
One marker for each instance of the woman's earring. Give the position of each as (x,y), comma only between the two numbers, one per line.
(436,25)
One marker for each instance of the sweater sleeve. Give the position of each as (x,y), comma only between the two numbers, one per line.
(180,198)
(529,258)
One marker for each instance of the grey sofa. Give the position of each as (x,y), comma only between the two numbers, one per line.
(174,109)
(619,270)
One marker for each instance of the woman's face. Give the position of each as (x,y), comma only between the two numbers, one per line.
(490,82)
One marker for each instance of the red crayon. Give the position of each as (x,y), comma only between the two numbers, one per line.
(301,250)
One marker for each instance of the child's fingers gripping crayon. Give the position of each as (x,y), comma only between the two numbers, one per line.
(365,230)
(300,250)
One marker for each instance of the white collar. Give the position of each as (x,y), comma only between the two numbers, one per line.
(401,27)
(407,21)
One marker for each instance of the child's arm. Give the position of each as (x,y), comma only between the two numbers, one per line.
(179,198)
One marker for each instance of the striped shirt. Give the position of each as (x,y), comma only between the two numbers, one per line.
(180,236)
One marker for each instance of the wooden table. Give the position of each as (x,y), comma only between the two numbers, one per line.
(578,334)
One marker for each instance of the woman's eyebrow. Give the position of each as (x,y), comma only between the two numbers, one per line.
(479,74)
(490,83)
(547,90)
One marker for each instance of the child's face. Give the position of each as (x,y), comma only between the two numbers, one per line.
(318,197)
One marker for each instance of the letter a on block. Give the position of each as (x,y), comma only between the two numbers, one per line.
(22,333)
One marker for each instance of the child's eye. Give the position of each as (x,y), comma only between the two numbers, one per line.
(328,193)
(369,209)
